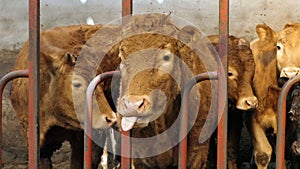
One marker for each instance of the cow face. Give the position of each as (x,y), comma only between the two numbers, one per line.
(72,97)
(240,72)
(147,77)
(288,51)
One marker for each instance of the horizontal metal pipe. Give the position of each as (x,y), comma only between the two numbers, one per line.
(281,120)
(184,121)
(3,81)
(88,115)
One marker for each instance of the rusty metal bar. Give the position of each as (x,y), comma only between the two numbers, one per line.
(184,109)
(281,120)
(34,77)
(3,81)
(88,115)
(222,113)
(127,9)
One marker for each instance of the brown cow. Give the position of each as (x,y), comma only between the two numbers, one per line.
(155,67)
(61,92)
(263,120)
(288,50)
(240,93)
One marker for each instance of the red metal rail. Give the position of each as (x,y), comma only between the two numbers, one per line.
(89,115)
(127,9)
(184,121)
(3,81)
(222,112)
(34,77)
(281,119)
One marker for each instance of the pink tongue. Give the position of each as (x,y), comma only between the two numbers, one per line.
(128,122)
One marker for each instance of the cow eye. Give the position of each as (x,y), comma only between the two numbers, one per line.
(278,47)
(77,85)
(166,57)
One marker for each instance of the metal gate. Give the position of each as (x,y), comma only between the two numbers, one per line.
(127,7)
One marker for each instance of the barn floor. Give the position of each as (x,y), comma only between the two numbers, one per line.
(15,150)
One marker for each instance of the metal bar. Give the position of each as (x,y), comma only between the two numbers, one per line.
(3,81)
(184,109)
(33,99)
(89,115)
(281,120)
(127,9)
(222,113)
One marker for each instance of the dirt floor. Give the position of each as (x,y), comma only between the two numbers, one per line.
(15,150)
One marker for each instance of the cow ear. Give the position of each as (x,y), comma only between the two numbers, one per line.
(289,25)
(189,34)
(70,59)
(243,42)
(264,32)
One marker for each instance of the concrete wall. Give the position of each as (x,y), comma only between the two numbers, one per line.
(244,15)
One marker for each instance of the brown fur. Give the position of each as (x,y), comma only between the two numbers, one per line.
(267,91)
(60,48)
(139,86)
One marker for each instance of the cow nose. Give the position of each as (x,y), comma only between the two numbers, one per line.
(110,120)
(139,104)
(289,72)
(247,103)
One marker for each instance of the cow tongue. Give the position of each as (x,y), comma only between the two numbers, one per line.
(128,122)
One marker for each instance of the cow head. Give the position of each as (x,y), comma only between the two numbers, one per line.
(152,70)
(288,50)
(240,72)
(147,82)
(71,86)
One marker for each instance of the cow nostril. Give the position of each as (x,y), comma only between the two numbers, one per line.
(251,103)
(110,121)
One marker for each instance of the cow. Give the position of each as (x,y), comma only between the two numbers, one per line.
(240,93)
(61,94)
(157,60)
(263,120)
(289,66)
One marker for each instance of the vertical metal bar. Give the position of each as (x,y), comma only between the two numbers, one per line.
(281,118)
(125,136)
(33,100)
(182,160)
(89,115)
(222,113)
(3,81)
(126,7)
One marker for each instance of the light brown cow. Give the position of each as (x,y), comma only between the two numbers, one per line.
(263,120)
(288,50)
(155,67)
(61,90)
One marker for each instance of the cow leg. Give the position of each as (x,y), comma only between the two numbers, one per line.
(46,153)
(234,132)
(197,153)
(262,148)
(77,150)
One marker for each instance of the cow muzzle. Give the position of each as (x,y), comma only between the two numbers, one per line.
(133,109)
(247,103)
(289,72)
